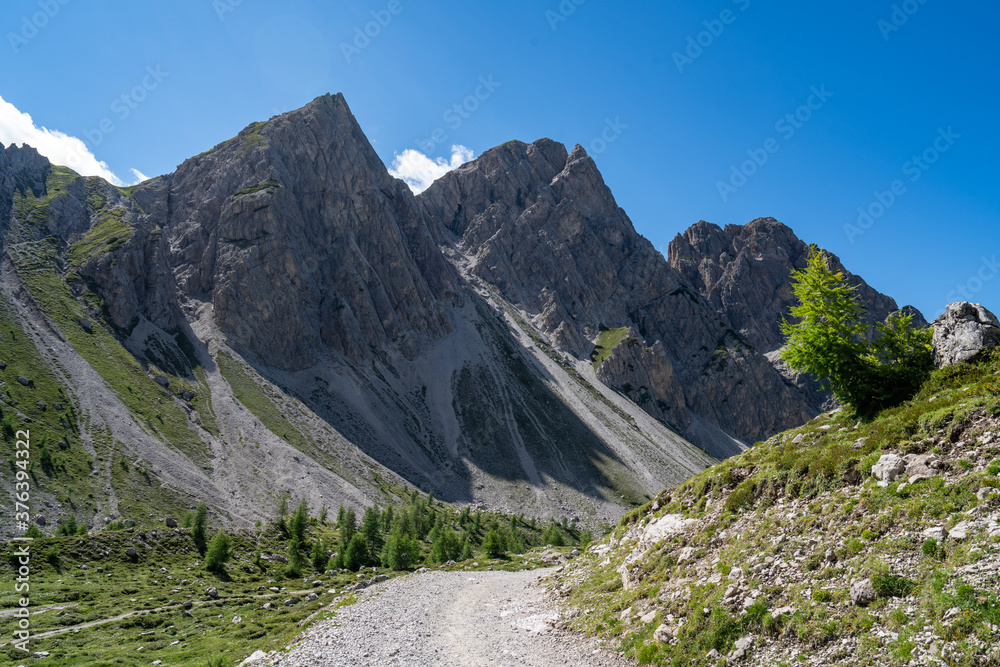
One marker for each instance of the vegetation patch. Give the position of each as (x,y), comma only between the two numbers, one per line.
(269,184)
(607,340)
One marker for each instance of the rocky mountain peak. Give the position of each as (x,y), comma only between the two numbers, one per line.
(295,224)
(744,272)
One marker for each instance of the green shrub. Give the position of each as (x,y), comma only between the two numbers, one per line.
(741,497)
(70,527)
(930,547)
(199,527)
(819,595)
(299,521)
(893,585)
(446,547)
(646,654)
(319,555)
(356,554)
(219,552)
(494,545)
(296,561)
(401,551)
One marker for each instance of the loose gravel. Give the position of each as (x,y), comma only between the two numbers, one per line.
(437,619)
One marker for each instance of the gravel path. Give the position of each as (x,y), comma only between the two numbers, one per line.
(460,619)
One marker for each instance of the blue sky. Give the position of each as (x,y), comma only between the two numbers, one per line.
(721,110)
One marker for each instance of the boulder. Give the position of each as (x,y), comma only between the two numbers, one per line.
(960,531)
(663,634)
(212,592)
(741,647)
(23,380)
(686,554)
(935,533)
(255,658)
(171,523)
(863,592)
(923,466)
(963,333)
(131,553)
(888,468)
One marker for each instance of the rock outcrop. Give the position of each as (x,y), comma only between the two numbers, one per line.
(541,226)
(744,272)
(963,333)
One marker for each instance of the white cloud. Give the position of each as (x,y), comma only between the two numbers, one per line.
(419,171)
(139,176)
(60,148)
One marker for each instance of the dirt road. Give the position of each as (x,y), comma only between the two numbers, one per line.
(438,619)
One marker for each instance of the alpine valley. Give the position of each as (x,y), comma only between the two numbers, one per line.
(280,315)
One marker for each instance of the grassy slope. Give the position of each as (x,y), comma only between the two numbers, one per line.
(154,407)
(53,428)
(777,510)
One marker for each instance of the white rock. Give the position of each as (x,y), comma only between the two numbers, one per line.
(959,532)
(662,528)
(255,657)
(663,634)
(863,592)
(888,468)
(935,533)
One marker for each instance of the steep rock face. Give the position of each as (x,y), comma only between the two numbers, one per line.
(542,227)
(22,169)
(743,271)
(299,238)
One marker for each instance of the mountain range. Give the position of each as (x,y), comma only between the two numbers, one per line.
(281,316)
